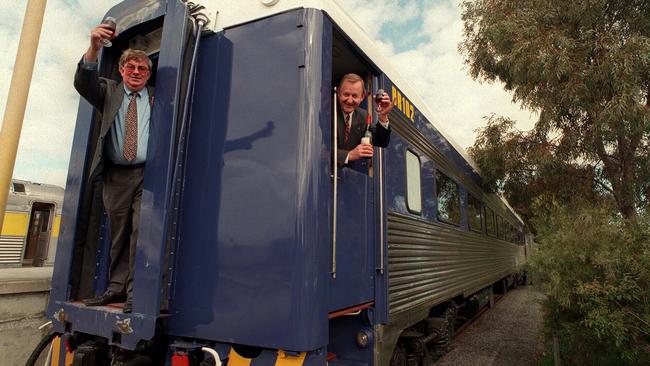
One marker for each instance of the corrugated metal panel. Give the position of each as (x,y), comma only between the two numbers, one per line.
(430,262)
(11,249)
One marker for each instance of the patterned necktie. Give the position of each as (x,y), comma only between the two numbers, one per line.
(346,134)
(131,129)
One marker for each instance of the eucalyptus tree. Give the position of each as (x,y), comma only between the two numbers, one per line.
(584,67)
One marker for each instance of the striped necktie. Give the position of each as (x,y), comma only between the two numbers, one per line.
(346,134)
(131,129)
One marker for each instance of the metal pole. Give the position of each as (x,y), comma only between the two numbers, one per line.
(12,121)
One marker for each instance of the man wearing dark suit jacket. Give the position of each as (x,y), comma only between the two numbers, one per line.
(120,155)
(352,121)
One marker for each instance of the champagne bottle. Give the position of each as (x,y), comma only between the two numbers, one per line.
(367,136)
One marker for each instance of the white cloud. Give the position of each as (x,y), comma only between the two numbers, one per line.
(434,67)
(50,115)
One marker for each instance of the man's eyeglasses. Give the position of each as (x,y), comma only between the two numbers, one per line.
(132,67)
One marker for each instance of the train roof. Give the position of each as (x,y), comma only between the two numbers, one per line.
(37,191)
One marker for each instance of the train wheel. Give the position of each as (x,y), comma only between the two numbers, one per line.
(399,355)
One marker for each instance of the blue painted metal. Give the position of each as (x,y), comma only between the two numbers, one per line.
(71,202)
(354,281)
(101,279)
(343,337)
(251,268)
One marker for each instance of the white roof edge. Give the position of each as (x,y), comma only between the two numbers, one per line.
(233,12)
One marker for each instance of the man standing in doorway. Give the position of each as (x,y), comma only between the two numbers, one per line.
(120,154)
(352,121)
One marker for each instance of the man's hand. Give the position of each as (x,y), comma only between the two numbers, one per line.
(361,151)
(383,107)
(101,31)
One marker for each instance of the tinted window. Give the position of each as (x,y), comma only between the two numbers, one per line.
(501,229)
(413,189)
(474,213)
(448,199)
(19,188)
(489,222)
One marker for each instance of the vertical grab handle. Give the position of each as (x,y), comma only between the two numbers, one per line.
(380,176)
(335,177)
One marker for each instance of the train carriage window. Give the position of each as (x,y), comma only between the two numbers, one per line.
(448,196)
(19,188)
(474,213)
(489,222)
(413,183)
(490,226)
(501,229)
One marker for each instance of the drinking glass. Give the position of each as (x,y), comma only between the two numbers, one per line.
(111,22)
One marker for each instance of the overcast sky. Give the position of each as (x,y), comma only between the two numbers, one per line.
(420,37)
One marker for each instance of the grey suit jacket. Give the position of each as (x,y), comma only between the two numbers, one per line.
(380,135)
(106,96)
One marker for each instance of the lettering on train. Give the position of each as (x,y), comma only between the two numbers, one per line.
(403,104)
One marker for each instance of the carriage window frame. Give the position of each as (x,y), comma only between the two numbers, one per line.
(413,182)
(440,177)
(490,222)
(471,213)
(22,189)
(501,230)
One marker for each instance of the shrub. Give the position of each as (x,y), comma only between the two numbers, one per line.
(595,271)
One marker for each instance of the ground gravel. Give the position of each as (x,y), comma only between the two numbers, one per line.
(508,334)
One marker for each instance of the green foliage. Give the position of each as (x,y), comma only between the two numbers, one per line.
(526,169)
(595,269)
(584,66)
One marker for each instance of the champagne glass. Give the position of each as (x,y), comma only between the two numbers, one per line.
(379,96)
(112,23)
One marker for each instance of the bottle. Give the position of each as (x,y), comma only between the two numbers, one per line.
(367,136)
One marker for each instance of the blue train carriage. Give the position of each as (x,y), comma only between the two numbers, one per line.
(253,247)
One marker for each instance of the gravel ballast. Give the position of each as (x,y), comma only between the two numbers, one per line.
(508,334)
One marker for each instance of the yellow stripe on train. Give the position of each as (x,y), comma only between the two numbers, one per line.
(15,224)
(287,360)
(56,226)
(56,353)
(234,359)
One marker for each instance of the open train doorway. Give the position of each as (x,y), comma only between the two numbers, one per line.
(39,232)
(354,217)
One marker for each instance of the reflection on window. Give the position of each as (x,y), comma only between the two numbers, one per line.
(448,199)
(474,213)
(413,190)
(489,222)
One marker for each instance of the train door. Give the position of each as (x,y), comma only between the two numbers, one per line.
(353,254)
(38,234)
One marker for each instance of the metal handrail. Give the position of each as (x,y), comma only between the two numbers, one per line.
(335,185)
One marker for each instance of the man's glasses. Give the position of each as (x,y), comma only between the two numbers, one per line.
(132,67)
